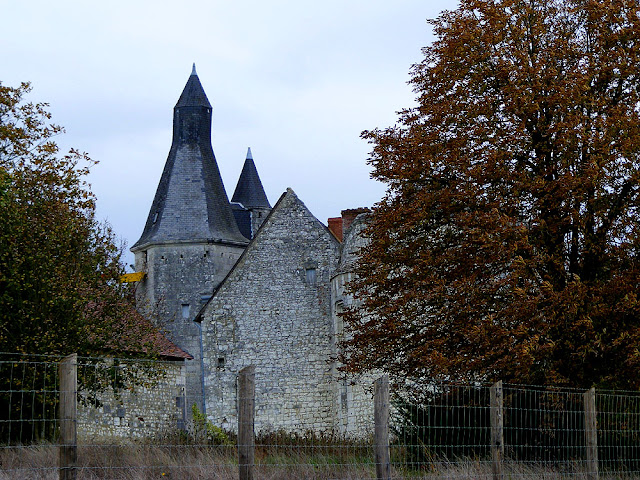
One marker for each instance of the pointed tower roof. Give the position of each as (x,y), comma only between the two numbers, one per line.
(191,204)
(193,94)
(249,191)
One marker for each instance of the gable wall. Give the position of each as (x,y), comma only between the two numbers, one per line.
(268,313)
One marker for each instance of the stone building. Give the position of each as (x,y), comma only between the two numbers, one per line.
(239,283)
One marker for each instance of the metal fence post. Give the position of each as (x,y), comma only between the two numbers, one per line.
(591,433)
(68,370)
(381,419)
(246,416)
(497,430)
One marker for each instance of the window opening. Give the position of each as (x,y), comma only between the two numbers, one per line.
(310,274)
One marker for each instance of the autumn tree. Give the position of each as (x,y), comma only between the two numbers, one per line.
(507,243)
(59,266)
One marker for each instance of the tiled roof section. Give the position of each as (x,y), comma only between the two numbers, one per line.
(193,94)
(137,336)
(190,204)
(249,191)
(166,348)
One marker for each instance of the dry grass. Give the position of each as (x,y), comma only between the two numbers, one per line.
(186,462)
(178,462)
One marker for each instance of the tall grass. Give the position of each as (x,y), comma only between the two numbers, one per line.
(279,461)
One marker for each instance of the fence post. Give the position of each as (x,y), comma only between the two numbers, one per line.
(381,419)
(246,415)
(497,430)
(68,370)
(591,433)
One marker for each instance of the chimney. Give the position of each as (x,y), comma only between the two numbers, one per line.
(348,216)
(335,227)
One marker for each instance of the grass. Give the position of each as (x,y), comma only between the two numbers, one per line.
(278,457)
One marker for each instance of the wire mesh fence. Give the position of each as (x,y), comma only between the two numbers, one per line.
(132,422)
(28,392)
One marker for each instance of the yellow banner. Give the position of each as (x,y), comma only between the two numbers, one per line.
(132,277)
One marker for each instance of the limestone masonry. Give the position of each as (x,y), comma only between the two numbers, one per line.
(240,283)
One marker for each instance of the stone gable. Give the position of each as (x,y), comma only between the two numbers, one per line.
(274,311)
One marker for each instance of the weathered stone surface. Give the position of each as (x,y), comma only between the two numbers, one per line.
(275,311)
(180,279)
(355,405)
(152,404)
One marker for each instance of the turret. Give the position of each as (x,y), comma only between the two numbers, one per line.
(190,240)
(249,202)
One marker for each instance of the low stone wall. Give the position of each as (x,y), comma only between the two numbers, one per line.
(130,400)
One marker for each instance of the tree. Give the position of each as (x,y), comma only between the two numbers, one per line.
(507,243)
(59,267)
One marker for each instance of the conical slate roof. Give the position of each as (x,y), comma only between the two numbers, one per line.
(191,204)
(249,191)
(193,94)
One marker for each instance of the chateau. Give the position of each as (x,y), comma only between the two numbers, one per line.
(237,283)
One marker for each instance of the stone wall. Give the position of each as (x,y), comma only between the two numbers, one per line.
(355,403)
(274,311)
(130,400)
(180,279)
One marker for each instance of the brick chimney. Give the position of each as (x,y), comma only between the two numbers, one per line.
(335,227)
(348,216)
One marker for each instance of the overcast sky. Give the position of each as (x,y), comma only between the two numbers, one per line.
(297,81)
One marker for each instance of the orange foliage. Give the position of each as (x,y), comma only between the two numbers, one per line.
(507,243)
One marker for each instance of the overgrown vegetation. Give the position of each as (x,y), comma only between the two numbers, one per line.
(205,432)
(451,423)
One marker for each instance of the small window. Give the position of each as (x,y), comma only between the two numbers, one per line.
(185,310)
(310,275)
(204,299)
(155,217)
(220,362)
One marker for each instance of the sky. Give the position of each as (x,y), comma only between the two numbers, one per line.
(297,81)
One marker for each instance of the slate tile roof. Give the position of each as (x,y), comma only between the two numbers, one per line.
(191,204)
(249,191)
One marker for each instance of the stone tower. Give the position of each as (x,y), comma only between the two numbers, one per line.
(191,238)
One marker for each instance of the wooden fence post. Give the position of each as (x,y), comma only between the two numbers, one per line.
(246,416)
(591,433)
(68,370)
(497,430)
(381,418)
